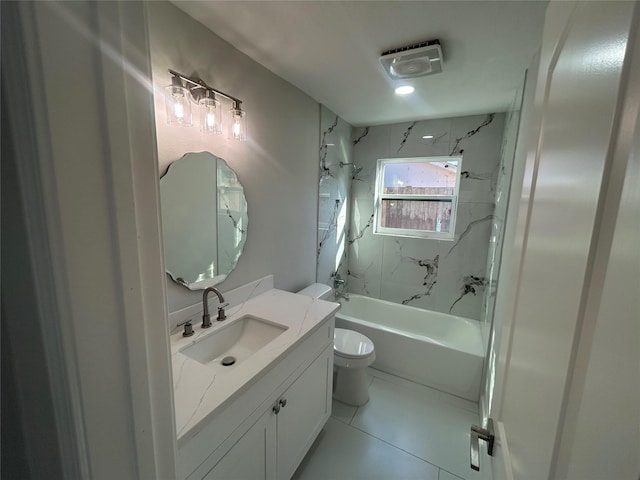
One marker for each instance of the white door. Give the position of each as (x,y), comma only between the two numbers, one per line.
(565,236)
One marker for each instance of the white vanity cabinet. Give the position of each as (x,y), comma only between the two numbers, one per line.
(253,456)
(307,409)
(276,444)
(266,432)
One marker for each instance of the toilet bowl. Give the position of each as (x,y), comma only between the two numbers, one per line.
(352,354)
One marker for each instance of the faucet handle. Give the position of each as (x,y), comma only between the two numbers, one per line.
(188,328)
(221,314)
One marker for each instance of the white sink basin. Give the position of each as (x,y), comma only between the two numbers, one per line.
(240,339)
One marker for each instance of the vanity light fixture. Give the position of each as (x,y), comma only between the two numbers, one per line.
(210,113)
(184,90)
(238,130)
(178,103)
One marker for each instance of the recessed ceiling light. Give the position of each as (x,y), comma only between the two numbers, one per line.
(427,136)
(404,90)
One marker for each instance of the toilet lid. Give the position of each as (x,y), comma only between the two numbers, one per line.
(350,344)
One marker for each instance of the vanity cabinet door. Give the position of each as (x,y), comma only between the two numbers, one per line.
(253,457)
(307,409)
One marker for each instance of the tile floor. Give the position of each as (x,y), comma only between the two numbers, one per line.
(405,431)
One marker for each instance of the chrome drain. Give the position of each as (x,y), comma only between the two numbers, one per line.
(228,361)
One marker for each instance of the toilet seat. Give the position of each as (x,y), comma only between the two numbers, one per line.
(351,345)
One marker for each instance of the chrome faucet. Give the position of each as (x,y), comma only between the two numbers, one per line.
(338,295)
(338,284)
(206,319)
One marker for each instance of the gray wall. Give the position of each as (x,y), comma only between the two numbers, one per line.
(278,166)
(440,275)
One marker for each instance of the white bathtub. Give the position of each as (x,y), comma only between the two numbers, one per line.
(435,349)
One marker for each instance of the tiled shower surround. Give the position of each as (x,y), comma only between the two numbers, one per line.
(441,275)
(335,184)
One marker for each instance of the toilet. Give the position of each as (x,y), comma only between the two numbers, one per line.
(352,354)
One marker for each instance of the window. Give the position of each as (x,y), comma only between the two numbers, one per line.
(417,197)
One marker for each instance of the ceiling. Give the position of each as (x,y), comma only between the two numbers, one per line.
(330,50)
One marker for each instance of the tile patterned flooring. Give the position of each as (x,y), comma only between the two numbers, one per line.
(405,432)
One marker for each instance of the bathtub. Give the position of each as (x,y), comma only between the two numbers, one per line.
(441,351)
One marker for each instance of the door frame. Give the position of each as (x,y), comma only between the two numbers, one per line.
(78,89)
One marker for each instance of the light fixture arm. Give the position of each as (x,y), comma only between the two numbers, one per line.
(197,88)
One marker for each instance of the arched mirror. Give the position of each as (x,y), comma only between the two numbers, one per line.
(204,220)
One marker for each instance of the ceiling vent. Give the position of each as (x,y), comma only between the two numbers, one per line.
(417,60)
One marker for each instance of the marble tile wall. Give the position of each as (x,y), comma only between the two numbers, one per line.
(441,275)
(333,204)
(503,187)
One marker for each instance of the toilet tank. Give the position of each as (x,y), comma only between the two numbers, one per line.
(317,290)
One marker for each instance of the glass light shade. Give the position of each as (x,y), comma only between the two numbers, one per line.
(238,127)
(210,115)
(178,104)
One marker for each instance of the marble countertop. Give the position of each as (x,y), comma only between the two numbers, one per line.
(200,392)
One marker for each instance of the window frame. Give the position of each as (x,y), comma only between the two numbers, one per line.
(407,232)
